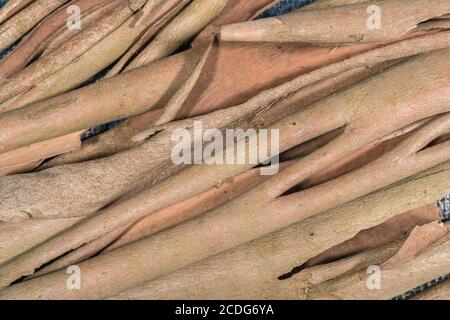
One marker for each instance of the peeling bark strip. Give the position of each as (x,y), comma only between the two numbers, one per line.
(149,225)
(86,54)
(35,42)
(221,229)
(383,234)
(92,185)
(190,208)
(227,219)
(235,11)
(262,58)
(163,13)
(339,25)
(315,277)
(26,158)
(263,282)
(22,236)
(184,26)
(247,271)
(87,19)
(84,107)
(81,254)
(96,59)
(11,8)
(169,113)
(357,122)
(428,266)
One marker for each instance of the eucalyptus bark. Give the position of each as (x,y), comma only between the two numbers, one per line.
(87,19)
(306,280)
(35,42)
(325,27)
(41,183)
(24,20)
(293,130)
(82,57)
(22,236)
(201,204)
(161,220)
(63,56)
(220,87)
(235,11)
(440,291)
(11,8)
(92,185)
(419,240)
(323,4)
(250,270)
(184,26)
(165,12)
(222,217)
(431,264)
(363,132)
(383,234)
(26,158)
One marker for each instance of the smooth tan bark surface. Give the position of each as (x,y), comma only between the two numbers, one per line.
(161,220)
(165,12)
(418,241)
(188,23)
(85,55)
(106,179)
(190,208)
(234,11)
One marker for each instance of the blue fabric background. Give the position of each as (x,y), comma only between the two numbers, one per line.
(284,6)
